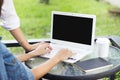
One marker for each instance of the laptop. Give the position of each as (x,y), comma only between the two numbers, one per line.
(73,31)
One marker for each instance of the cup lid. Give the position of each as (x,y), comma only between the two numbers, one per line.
(102,40)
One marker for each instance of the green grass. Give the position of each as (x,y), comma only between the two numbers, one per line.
(36,17)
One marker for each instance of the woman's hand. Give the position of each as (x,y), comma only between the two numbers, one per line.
(32,47)
(64,54)
(19,36)
(42,49)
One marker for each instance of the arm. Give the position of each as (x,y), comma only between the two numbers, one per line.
(40,50)
(11,22)
(44,68)
(24,57)
(19,36)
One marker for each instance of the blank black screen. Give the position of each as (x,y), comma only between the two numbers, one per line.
(72,28)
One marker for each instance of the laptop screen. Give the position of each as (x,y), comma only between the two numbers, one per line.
(72,28)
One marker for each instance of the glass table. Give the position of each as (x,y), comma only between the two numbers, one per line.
(66,71)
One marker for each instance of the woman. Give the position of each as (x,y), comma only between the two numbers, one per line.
(11,67)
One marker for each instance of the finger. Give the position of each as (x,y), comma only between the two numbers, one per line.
(48,50)
(50,47)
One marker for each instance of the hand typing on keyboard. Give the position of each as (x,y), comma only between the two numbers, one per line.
(45,50)
(42,49)
(63,54)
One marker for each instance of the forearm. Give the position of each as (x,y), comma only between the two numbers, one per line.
(24,57)
(18,35)
(44,68)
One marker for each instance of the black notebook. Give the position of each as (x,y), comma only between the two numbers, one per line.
(94,64)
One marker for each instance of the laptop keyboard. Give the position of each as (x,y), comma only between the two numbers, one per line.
(79,54)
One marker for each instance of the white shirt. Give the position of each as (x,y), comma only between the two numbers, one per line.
(9,18)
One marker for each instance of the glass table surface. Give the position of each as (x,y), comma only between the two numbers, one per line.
(66,69)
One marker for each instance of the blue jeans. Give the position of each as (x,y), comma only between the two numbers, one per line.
(11,68)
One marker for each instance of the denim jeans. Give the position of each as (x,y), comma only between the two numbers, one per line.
(11,68)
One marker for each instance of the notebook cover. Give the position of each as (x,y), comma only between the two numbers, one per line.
(93,64)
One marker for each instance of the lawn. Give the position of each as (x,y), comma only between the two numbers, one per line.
(36,17)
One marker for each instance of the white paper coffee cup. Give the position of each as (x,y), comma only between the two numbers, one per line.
(102,47)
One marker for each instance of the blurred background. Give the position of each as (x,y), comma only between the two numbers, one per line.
(35,16)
